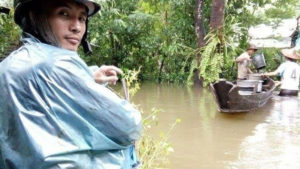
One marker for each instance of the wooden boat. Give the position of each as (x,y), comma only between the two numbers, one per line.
(233,98)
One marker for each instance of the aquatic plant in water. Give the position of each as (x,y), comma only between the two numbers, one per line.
(153,152)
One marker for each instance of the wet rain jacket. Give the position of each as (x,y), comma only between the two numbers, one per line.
(54,116)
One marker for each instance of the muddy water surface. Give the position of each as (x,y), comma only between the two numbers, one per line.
(268,138)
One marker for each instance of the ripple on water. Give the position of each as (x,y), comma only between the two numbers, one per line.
(275,143)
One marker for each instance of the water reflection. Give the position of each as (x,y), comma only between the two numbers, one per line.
(276,142)
(206,139)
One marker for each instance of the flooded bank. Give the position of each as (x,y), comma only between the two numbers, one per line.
(266,138)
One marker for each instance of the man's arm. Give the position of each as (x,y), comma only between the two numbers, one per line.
(249,71)
(275,73)
(72,90)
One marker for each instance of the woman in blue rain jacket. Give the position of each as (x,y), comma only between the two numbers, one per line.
(55,112)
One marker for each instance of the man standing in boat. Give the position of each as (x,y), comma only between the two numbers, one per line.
(296,35)
(243,62)
(289,71)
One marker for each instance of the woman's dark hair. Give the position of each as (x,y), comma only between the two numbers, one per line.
(36,23)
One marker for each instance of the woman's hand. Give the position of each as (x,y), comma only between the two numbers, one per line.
(107,74)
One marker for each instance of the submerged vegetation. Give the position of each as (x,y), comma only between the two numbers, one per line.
(153,151)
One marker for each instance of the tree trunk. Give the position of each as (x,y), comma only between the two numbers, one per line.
(217,21)
(200,32)
(161,66)
(217,14)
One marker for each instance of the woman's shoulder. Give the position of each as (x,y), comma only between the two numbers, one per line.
(16,59)
(38,58)
(26,59)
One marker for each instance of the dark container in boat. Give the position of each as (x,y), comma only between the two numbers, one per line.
(259,61)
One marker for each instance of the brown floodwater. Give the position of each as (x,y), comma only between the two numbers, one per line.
(268,138)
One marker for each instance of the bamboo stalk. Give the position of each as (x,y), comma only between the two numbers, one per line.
(125,89)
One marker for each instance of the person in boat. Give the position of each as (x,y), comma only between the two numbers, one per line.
(244,61)
(55,111)
(296,36)
(289,71)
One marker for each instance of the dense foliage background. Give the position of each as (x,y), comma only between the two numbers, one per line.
(9,35)
(158,36)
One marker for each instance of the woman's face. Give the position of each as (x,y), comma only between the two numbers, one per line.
(68,22)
